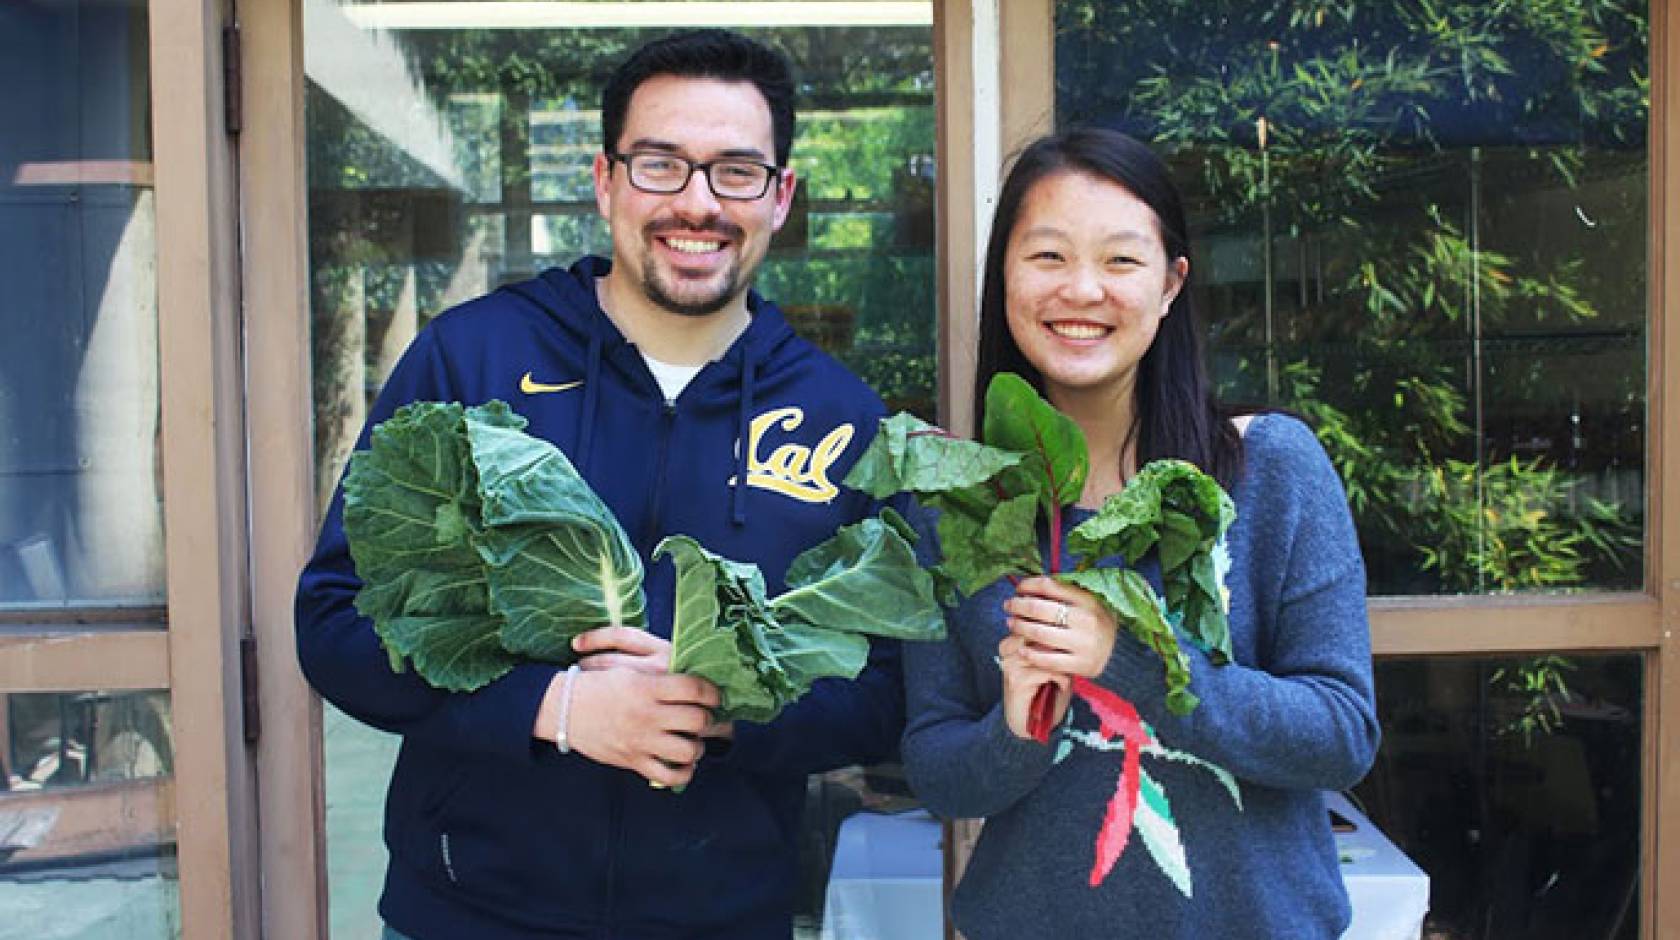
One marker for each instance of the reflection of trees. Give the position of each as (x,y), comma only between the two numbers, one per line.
(1383,192)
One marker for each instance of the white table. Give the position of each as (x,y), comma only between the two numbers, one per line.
(885,883)
(886,880)
(1389,893)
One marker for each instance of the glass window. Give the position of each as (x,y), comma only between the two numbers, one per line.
(1423,227)
(81,517)
(1515,783)
(452,154)
(87,817)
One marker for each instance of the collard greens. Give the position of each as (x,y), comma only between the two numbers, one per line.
(865,578)
(480,546)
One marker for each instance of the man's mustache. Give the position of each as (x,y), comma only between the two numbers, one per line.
(722,228)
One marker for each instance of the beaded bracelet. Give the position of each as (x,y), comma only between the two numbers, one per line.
(560,737)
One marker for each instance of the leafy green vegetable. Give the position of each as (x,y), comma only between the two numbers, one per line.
(1139,610)
(718,630)
(1056,461)
(863,580)
(411,513)
(961,479)
(559,562)
(480,546)
(988,495)
(1173,507)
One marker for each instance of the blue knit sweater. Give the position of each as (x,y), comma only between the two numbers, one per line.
(1229,836)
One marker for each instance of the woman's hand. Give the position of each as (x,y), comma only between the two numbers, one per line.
(1021,680)
(1063,629)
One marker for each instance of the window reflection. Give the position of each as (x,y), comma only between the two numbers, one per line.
(1516,784)
(87,816)
(1427,234)
(80,494)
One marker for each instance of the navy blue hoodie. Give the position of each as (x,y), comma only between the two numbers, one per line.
(494,834)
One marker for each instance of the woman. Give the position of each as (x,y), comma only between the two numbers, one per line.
(1133,821)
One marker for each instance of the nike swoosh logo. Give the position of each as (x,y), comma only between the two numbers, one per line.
(531,386)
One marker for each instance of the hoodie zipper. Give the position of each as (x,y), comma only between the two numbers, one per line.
(650,530)
(615,823)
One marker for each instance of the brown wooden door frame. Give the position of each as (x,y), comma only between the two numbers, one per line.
(205,503)
(190,646)
(274,204)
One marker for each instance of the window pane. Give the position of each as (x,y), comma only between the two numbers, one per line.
(81,519)
(448,158)
(1423,228)
(1515,783)
(87,817)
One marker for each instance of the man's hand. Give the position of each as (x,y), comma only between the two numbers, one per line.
(645,723)
(622,648)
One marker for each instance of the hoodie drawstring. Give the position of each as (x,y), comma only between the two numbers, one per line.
(744,440)
(591,399)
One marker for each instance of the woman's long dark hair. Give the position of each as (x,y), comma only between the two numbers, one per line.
(1177,414)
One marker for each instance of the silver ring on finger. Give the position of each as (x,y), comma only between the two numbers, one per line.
(1062,615)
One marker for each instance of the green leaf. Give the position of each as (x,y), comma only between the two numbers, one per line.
(1135,606)
(1174,508)
(980,538)
(559,563)
(763,655)
(1017,419)
(980,550)
(864,579)
(732,653)
(478,545)
(908,455)
(411,515)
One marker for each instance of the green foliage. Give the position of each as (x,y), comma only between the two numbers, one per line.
(480,546)
(989,496)
(764,654)
(1180,513)
(987,533)
(1539,688)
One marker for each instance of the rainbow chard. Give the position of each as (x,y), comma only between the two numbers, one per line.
(1034,459)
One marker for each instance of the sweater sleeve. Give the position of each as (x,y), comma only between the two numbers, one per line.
(1302,715)
(960,757)
(341,655)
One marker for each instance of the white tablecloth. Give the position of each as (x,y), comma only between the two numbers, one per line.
(885,881)
(1390,894)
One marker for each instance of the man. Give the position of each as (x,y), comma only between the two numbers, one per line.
(689,405)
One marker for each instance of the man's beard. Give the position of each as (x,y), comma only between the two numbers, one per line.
(735,279)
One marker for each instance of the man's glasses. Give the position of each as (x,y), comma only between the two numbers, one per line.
(667,173)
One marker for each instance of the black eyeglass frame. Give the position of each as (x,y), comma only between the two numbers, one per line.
(773,173)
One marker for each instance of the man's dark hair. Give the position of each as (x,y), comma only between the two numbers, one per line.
(1177,414)
(704,53)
